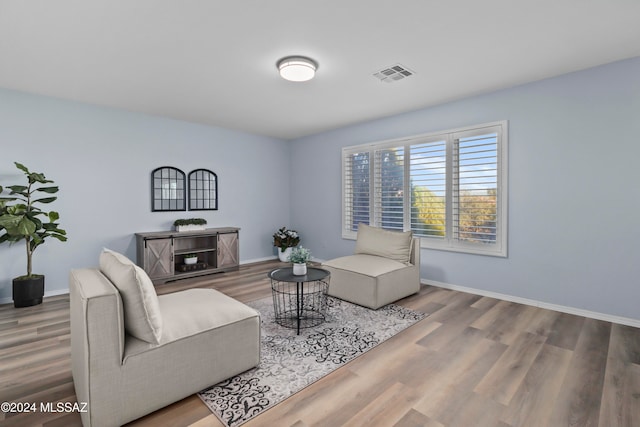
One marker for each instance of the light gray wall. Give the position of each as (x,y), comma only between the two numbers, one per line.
(573,185)
(574,189)
(102,160)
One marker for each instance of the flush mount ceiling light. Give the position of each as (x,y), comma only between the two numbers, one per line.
(297,68)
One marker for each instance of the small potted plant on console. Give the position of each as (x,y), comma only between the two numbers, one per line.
(190,259)
(190,224)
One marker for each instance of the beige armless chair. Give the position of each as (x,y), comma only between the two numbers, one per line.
(133,352)
(384,268)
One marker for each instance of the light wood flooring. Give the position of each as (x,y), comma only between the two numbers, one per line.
(475,361)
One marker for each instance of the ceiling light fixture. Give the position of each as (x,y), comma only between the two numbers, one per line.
(297,68)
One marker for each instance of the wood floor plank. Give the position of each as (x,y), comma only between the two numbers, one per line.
(451,329)
(451,404)
(475,361)
(625,344)
(184,412)
(323,404)
(386,409)
(579,399)
(621,390)
(456,304)
(474,410)
(542,322)
(504,379)
(504,321)
(414,418)
(621,395)
(534,401)
(485,303)
(565,331)
(452,365)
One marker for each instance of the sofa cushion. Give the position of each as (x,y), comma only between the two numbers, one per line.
(367,265)
(188,313)
(193,311)
(142,318)
(394,245)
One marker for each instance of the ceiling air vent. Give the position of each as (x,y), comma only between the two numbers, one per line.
(393,73)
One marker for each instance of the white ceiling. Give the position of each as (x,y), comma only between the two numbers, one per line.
(214,61)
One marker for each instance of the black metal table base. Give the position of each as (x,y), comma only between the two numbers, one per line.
(299,301)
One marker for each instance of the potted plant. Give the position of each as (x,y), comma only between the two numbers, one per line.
(190,259)
(299,257)
(190,224)
(285,240)
(21,219)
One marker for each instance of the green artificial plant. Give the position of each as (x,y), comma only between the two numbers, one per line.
(21,218)
(300,255)
(190,221)
(284,238)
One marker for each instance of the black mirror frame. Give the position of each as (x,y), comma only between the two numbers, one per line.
(180,202)
(200,193)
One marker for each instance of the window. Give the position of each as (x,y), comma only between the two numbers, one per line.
(449,188)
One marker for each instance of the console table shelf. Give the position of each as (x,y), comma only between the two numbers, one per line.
(161,254)
(194,251)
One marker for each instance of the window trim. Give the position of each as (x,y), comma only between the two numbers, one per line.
(448,243)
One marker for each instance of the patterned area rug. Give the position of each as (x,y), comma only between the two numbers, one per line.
(291,362)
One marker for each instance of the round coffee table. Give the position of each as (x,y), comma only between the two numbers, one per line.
(299,301)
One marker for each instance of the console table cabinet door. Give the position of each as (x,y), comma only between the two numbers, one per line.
(158,259)
(228,250)
(161,253)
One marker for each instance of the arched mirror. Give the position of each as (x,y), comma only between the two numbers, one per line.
(168,185)
(203,190)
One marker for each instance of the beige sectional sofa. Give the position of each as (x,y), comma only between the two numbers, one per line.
(384,268)
(134,352)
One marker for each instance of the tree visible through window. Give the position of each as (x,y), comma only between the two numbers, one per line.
(448,188)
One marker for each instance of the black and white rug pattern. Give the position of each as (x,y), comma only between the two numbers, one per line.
(291,362)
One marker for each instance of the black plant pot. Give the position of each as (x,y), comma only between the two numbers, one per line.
(28,291)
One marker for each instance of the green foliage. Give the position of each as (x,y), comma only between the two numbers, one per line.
(190,221)
(476,210)
(427,212)
(478,213)
(191,256)
(22,220)
(300,255)
(284,238)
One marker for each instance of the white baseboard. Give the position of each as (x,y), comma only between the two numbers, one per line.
(555,307)
(55,292)
(526,301)
(46,294)
(251,261)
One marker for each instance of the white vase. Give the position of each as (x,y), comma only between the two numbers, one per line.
(284,255)
(299,269)
(190,227)
(190,260)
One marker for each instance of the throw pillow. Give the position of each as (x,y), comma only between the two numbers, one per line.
(142,317)
(395,245)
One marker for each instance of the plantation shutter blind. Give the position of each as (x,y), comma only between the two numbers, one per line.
(356,189)
(448,188)
(475,183)
(428,188)
(389,188)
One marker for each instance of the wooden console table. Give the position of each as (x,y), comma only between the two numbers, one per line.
(161,254)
